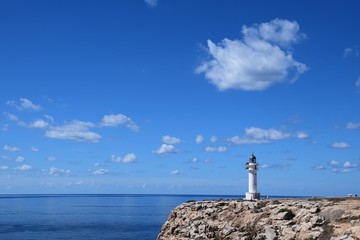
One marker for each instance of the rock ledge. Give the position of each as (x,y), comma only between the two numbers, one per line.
(325,218)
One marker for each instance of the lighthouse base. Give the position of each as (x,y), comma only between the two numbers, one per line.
(252,196)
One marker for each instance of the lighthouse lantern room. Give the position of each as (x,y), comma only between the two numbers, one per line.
(252,168)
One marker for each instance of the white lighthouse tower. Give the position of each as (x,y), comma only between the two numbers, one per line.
(252,168)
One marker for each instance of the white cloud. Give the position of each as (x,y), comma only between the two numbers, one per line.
(357,83)
(39,124)
(11,149)
(151,3)
(113,120)
(213,139)
(256,62)
(171,140)
(4,167)
(100,171)
(23,168)
(244,140)
(254,135)
(11,117)
(24,104)
(166,148)
(34,149)
(216,149)
(353,125)
(319,167)
(175,172)
(51,159)
(350,165)
(302,135)
(276,166)
(340,145)
(128,158)
(354,51)
(334,163)
(76,130)
(6,158)
(346,170)
(271,134)
(19,159)
(59,172)
(199,139)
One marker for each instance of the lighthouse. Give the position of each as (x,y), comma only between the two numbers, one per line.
(252,168)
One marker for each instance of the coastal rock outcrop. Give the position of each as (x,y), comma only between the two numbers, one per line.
(300,219)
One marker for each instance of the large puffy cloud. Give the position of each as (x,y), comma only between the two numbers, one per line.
(76,130)
(258,61)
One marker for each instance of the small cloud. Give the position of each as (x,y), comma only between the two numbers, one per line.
(213,139)
(340,145)
(357,83)
(216,149)
(59,172)
(257,61)
(100,171)
(39,124)
(5,157)
(276,166)
(171,140)
(34,149)
(175,172)
(5,127)
(166,148)
(199,139)
(19,159)
(24,104)
(11,149)
(350,165)
(51,159)
(271,134)
(23,168)
(334,163)
(255,135)
(319,167)
(351,52)
(346,170)
(128,158)
(76,131)
(151,3)
(113,120)
(4,167)
(302,135)
(353,125)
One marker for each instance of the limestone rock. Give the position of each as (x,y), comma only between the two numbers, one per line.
(283,219)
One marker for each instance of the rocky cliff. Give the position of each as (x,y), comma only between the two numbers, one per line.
(326,218)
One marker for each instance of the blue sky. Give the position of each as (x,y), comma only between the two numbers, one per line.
(171,97)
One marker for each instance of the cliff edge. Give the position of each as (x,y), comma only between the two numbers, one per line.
(325,218)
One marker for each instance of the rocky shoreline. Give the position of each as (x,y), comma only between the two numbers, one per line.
(303,219)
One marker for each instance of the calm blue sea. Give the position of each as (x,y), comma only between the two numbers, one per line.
(87,217)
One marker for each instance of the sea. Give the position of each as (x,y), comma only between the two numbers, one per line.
(88,217)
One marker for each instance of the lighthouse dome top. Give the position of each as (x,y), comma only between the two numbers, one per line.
(252,158)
